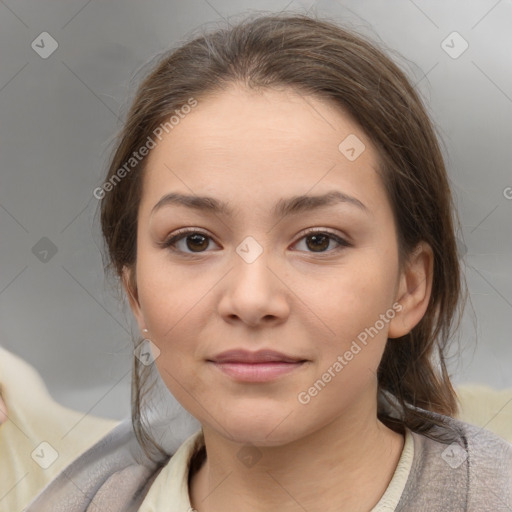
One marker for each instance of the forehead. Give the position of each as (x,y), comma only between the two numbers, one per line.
(247,144)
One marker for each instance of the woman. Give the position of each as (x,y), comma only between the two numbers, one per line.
(278,211)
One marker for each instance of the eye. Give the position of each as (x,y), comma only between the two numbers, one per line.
(318,241)
(193,240)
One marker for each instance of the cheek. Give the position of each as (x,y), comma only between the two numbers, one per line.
(170,305)
(354,297)
(176,306)
(168,295)
(356,305)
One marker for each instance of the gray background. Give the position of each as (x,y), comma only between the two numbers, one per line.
(59,114)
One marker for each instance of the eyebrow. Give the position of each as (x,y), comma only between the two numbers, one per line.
(284,207)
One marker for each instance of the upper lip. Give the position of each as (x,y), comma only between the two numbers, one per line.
(261,356)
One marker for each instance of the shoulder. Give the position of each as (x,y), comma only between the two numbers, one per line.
(487,458)
(459,467)
(480,447)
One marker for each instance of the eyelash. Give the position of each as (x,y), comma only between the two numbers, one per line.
(170,242)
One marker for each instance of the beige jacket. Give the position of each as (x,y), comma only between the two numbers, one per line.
(40,437)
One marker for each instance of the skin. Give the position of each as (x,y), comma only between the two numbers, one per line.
(252,149)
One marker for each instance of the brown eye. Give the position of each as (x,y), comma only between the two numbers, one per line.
(318,242)
(197,242)
(188,242)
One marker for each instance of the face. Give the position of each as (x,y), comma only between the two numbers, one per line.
(257,269)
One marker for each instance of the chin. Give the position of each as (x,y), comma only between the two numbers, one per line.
(262,427)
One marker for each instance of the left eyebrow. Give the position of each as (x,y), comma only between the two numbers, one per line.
(283,208)
(299,204)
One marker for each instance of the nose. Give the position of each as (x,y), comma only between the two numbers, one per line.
(254,293)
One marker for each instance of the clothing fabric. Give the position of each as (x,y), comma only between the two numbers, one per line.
(171,485)
(40,437)
(471,474)
(113,475)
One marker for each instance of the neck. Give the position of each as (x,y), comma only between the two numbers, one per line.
(346,465)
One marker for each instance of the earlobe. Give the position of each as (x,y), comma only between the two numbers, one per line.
(414,291)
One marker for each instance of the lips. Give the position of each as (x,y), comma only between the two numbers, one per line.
(254,367)
(261,356)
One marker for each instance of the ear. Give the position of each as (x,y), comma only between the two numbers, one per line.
(414,289)
(130,286)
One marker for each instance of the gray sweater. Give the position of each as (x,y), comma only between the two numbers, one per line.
(472,474)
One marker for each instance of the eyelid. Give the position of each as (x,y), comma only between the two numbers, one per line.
(342,240)
(327,231)
(178,235)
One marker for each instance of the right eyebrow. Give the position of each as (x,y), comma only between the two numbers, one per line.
(203,203)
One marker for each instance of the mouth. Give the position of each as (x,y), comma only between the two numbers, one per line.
(261,366)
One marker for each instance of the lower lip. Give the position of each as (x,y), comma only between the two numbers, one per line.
(257,372)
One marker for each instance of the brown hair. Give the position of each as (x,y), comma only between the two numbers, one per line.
(319,58)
